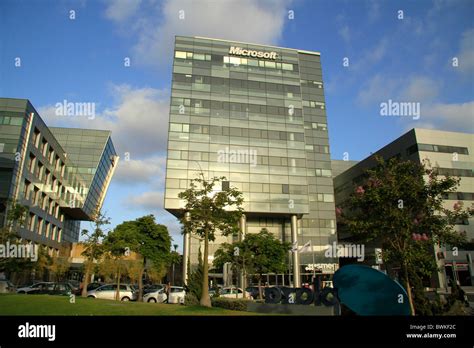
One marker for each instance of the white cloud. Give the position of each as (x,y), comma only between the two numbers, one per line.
(138,120)
(455,116)
(420,89)
(151,200)
(150,170)
(118,10)
(345,33)
(466,53)
(241,20)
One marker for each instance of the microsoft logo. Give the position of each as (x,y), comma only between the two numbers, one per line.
(238,51)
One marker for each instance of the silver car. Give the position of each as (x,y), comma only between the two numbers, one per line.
(108,291)
(35,287)
(157,296)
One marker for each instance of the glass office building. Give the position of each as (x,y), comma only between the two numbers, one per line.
(256,115)
(61,175)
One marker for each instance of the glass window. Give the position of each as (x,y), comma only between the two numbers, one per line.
(180,54)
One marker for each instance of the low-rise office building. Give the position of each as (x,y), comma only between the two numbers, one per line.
(451,153)
(61,175)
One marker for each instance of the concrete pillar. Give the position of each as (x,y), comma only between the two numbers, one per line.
(243,231)
(296,260)
(186,249)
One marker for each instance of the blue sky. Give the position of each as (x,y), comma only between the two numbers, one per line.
(81,59)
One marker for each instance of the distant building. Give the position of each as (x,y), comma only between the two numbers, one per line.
(61,174)
(452,153)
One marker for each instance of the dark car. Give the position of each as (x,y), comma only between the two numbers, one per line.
(75,285)
(52,289)
(253,290)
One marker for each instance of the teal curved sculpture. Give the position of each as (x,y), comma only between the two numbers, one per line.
(367,291)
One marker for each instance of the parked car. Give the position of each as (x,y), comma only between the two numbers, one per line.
(52,289)
(152,288)
(75,286)
(6,287)
(234,292)
(94,285)
(107,292)
(176,295)
(35,287)
(157,296)
(253,290)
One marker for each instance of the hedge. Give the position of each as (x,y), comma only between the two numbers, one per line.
(229,303)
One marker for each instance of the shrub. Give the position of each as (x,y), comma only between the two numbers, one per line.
(191,300)
(228,303)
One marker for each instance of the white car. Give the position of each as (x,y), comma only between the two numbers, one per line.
(177,294)
(107,292)
(234,292)
(157,296)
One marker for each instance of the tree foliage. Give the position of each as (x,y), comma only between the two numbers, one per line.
(399,205)
(211,211)
(259,254)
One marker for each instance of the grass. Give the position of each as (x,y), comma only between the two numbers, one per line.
(38,305)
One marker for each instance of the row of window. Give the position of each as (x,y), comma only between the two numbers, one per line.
(455,172)
(460,196)
(182,103)
(214,157)
(437,148)
(33,194)
(44,175)
(237,132)
(221,82)
(45,228)
(236,60)
(11,121)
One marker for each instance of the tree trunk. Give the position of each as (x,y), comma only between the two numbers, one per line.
(85,283)
(409,293)
(260,292)
(117,293)
(140,282)
(205,299)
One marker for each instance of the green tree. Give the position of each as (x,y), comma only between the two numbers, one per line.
(195,278)
(16,217)
(259,253)
(399,205)
(210,211)
(93,248)
(59,266)
(148,239)
(116,248)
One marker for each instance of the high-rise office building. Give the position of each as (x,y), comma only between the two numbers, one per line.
(451,153)
(60,174)
(256,115)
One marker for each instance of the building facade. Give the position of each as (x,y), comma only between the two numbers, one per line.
(451,153)
(42,170)
(256,115)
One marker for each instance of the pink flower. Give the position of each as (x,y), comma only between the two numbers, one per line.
(414,236)
(424,236)
(456,206)
(360,190)
(415,221)
(338,211)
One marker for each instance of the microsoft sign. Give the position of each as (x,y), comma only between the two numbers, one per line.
(238,51)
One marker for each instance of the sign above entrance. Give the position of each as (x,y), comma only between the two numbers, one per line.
(238,51)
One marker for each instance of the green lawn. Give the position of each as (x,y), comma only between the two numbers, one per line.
(15,304)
